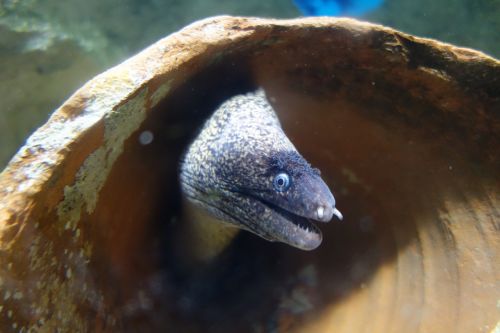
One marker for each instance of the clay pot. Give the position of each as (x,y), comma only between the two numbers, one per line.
(405,130)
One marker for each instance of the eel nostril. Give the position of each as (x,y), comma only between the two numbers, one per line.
(337,213)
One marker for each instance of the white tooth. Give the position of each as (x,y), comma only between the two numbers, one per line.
(320,212)
(337,213)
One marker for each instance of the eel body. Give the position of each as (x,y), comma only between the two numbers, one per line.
(242,172)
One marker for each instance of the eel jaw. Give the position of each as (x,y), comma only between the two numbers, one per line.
(295,230)
(263,218)
(276,224)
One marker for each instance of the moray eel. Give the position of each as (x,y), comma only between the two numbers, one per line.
(242,172)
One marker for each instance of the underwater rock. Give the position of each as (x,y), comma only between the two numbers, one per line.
(38,73)
(406,128)
(49,48)
(458,22)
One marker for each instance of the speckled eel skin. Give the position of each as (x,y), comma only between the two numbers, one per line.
(242,171)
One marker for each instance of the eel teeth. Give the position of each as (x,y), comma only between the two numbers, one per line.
(320,212)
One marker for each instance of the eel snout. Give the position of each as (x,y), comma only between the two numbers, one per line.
(316,200)
(291,214)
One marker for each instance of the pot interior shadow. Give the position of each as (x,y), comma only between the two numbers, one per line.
(386,173)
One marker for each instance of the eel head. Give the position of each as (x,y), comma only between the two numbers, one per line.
(246,172)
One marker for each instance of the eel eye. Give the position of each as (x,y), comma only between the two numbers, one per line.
(281,182)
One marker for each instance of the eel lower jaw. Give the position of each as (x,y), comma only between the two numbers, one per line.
(287,227)
(268,221)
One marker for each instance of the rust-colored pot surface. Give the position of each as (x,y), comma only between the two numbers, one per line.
(405,130)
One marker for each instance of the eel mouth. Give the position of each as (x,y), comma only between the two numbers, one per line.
(284,226)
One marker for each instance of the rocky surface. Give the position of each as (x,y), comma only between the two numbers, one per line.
(49,48)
